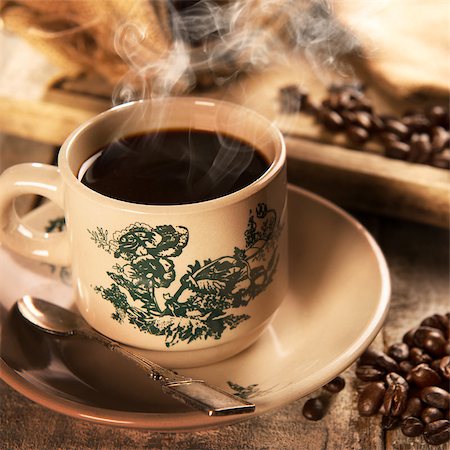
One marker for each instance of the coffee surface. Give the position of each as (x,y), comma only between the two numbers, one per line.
(174,167)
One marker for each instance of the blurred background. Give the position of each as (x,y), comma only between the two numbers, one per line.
(360,89)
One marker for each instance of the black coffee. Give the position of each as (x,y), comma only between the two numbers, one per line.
(173,167)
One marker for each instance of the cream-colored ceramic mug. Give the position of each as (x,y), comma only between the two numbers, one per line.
(193,283)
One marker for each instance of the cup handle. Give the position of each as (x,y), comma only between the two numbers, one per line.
(40,179)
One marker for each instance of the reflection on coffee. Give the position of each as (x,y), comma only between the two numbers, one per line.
(173,167)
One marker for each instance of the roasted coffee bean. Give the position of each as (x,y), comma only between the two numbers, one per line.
(439,116)
(420,148)
(435,343)
(409,379)
(445,324)
(437,438)
(435,365)
(418,356)
(408,337)
(338,100)
(437,432)
(380,360)
(399,351)
(369,357)
(291,99)
(444,367)
(325,104)
(436,425)
(430,414)
(387,138)
(397,127)
(397,150)
(315,408)
(395,399)
(447,347)
(335,386)
(386,117)
(435,396)
(390,422)
(436,321)
(344,99)
(423,375)
(422,333)
(361,104)
(331,120)
(377,124)
(369,373)
(413,407)
(395,378)
(417,123)
(405,367)
(430,339)
(441,160)
(349,118)
(363,119)
(310,107)
(285,98)
(357,134)
(371,398)
(386,362)
(347,98)
(412,426)
(361,385)
(439,139)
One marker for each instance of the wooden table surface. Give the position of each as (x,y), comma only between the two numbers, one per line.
(418,257)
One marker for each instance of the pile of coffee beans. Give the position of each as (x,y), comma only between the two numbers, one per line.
(409,384)
(420,136)
(316,408)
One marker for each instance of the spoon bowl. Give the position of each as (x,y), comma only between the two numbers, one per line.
(49,317)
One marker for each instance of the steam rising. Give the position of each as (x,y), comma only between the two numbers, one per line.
(223,37)
(219,39)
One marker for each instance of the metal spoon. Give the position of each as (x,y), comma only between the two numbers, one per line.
(195,393)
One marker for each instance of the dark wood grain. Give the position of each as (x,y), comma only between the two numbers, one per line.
(418,259)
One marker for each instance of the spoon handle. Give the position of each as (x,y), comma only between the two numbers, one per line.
(194,393)
(155,371)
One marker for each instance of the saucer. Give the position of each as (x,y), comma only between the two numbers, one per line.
(336,304)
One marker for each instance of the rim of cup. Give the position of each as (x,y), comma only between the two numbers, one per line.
(70,175)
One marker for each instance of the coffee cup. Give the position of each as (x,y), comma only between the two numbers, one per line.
(190,283)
